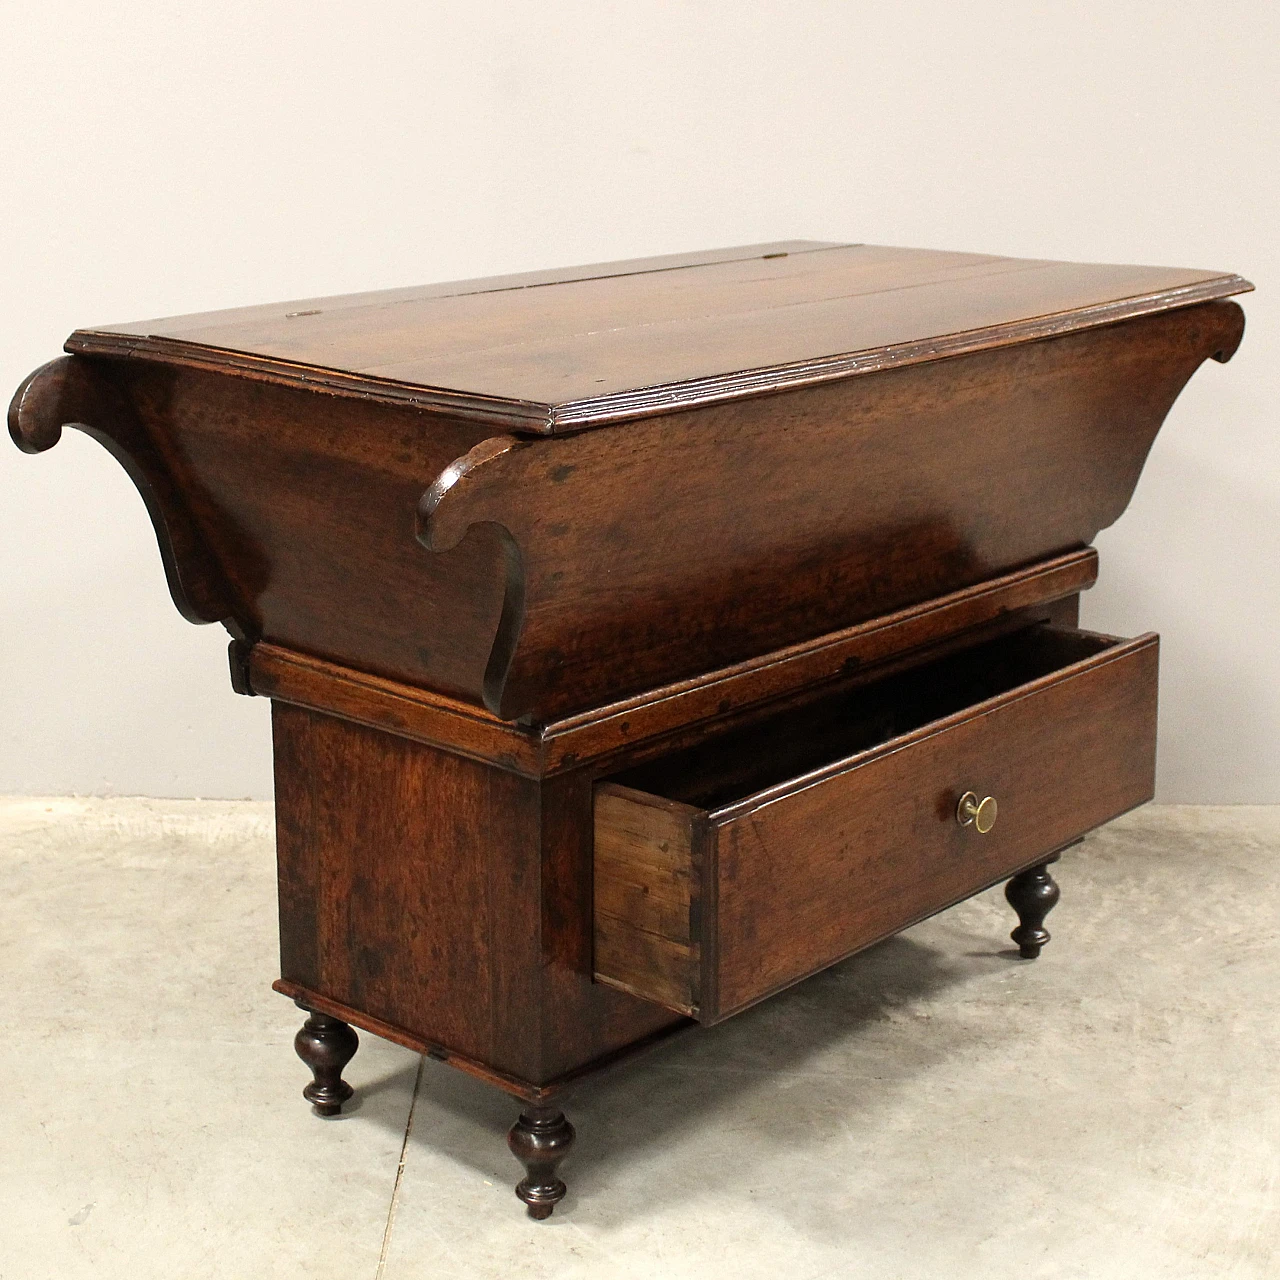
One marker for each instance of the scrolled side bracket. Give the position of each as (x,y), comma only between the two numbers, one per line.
(457,497)
(1229,320)
(468,492)
(70,392)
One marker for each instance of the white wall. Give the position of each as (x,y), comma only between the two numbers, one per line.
(161,158)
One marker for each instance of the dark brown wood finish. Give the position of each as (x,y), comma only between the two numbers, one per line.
(564,573)
(649,620)
(1032,893)
(398,866)
(627,555)
(557,351)
(555,1088)
(77,393)
(545,750)
(540,1139)
(365,853)
(724,874)
(326,1044)
(424,890)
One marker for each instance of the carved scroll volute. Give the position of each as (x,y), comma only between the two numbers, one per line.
(466,493)
(1226,322)
(70,392)
(466,482)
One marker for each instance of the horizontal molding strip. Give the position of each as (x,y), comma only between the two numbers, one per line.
(543,751)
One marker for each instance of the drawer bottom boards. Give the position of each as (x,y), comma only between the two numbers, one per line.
(726,872)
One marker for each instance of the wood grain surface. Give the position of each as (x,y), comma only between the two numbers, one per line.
(646,891)
(687,702)
(77,393)
(664,714)
(563,573)
(442,897)
(705,537)
(819,833)
(557,351)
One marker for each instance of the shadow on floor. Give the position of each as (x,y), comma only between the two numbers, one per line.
(827,1029)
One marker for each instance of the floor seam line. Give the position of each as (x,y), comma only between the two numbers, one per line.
(395,1186)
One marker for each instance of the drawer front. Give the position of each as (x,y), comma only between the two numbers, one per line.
(790,880)
(820,871)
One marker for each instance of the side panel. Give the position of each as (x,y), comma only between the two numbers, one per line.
(409,885)
(307,503)
(563,573)
(659,548)
(443,896)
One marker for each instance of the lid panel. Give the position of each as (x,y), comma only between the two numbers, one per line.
(999,293)
(460,342)
(584,346)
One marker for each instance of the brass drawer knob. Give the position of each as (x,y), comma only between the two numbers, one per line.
(977,813)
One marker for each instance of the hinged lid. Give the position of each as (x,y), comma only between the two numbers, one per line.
(555,351)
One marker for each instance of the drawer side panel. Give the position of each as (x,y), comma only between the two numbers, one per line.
(645,897)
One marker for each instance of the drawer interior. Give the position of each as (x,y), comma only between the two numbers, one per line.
(792,743)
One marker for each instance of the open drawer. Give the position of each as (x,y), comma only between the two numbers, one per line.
(728,871)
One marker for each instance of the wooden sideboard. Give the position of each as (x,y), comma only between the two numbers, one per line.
(643,638)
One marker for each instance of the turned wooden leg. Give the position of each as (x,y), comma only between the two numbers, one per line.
(326,1045)
(540,1139)
(1032,894)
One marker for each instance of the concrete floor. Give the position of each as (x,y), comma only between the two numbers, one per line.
(932,1108)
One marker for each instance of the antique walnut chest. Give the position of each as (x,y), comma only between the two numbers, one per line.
(642,638)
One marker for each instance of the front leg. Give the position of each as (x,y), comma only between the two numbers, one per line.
(326,1045)
(540,1139)
(1032,894)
